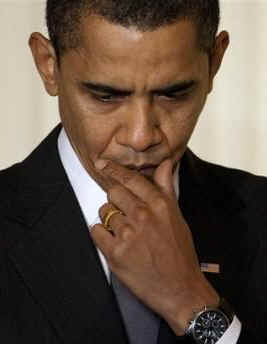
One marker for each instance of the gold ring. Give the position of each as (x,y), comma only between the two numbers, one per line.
(109,216)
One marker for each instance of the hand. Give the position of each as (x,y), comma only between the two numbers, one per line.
(151,248)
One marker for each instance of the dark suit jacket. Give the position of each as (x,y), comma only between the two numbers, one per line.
(52,286)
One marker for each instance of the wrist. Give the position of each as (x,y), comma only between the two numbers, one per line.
(181,323)
(188,306)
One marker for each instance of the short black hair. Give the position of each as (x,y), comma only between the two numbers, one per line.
(63,17)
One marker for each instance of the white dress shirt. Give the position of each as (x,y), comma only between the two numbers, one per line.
(83,186)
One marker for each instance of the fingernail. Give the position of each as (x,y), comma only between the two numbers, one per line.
(100,164)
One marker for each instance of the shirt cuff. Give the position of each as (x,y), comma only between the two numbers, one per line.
(232,334)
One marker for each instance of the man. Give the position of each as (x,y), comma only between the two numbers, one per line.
(176,235)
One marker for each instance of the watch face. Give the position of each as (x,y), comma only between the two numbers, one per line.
(210,326)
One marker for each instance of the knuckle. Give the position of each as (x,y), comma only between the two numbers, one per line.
(126,232)
(110,193)
(108,252)
(94,232)
(160,204)
(116,254)
(110,170)
(126,236)
(113,192)
(103,209)
(117,173)
(141,213)
(126,178)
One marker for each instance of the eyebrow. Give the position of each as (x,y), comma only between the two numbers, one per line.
(106,89)
(101,88)
(175,88)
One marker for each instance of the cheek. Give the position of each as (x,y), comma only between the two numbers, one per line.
(93,138)
(179,128)
(96,137)
(89,133)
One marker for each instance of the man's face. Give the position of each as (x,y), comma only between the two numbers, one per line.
(130,96)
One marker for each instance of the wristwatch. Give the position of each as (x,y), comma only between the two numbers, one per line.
(209,325)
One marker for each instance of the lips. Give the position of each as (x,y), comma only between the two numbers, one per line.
(142,167)
(147,170)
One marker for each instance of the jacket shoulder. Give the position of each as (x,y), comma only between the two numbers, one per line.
(245,185)
(8,186)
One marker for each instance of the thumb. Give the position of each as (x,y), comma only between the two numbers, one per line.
(163,177)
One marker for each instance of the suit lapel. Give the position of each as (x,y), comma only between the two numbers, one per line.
(56,258)
(216,216)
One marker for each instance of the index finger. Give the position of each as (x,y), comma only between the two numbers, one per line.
(114,173)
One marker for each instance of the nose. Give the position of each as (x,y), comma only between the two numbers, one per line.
(140,129)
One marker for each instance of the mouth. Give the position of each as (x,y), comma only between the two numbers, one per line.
(146,169)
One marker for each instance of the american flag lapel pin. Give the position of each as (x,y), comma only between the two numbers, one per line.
(210,267)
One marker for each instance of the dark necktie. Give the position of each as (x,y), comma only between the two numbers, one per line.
(141,323)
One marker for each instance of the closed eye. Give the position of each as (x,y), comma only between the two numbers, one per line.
(177,92)
(104,93)
(107,98)
(175,96)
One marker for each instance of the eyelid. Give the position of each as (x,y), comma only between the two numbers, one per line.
(176,94)
(109,97)
(178,91)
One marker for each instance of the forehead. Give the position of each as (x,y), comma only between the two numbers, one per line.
(112,51)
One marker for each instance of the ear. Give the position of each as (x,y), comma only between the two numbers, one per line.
(46,61)
(221,44)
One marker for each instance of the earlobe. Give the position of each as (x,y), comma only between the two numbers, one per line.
(46,61)
(221,45)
